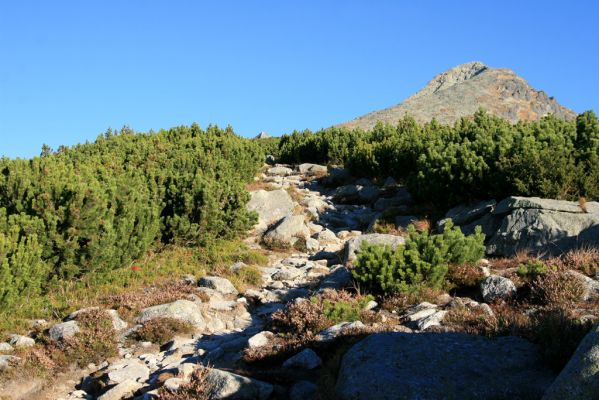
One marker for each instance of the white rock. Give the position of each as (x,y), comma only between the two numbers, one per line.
(497,287)
(64,330)
(260,339)
(20,341)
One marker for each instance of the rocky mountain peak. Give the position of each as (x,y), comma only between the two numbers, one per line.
(451,77)
(460,91)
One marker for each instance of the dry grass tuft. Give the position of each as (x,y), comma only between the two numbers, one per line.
(584,259)
(162,330)
(198,388)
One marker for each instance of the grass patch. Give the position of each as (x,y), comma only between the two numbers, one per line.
(157,269)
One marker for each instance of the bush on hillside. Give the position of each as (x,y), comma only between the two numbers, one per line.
(421,262)
(98,206)
(486,157)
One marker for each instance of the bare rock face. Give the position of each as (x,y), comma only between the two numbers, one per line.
(462,90)
(579,378)
(442,366)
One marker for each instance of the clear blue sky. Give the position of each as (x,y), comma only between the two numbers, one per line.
(71,69)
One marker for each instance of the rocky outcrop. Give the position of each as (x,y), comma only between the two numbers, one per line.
(539,226)
(442,366)
(271,206)
(462,90)
(580,377)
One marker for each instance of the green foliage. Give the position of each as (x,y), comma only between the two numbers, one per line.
(532,269)
(421,262)
(98,206)
(486,157)
(345,310)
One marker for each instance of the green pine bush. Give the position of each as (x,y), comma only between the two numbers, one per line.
(421,262)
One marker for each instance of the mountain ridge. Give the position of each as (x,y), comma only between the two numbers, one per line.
(461,91)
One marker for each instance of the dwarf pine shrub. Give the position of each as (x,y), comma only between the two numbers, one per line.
(421,262)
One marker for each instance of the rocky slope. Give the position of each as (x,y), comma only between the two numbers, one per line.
(322,227)
(462,90)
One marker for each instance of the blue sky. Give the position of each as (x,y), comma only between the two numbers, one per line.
(71,69)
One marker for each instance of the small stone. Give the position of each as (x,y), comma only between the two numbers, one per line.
(497,287)
(221,285)
(371,305)
(5,347)
(20,341)
(173,384)
(64,330)
(306,359)
(260,339)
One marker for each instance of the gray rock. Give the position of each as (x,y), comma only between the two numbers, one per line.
(279,171)
(236,387)
(341,328)
(123,390)
(64,330)
(497,287)
(221,285)
(5,347)
(6,361)
(401,198)
(543,226)
(442,366)
(260,339)
(461,215)
(183,310)
(287,274)
(306,359)
(591,286)
(580,377)
(339,278)
(312,169)
(368,194)
(20,341)
(288,231)
(347,194)
(353,245)
(132,369)
(327,236)
(303,390)
(271,206)
(424,315)
(337,176)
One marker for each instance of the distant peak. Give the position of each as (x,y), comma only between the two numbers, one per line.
(451,77)
(263,135)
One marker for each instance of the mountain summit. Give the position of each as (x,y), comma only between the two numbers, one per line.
(462,90)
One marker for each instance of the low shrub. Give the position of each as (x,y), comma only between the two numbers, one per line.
(300,318)
(585,260)
(532,269)
(95,342)
(162,330)
(423,260)
(557,289)
(342,307)
(464,275)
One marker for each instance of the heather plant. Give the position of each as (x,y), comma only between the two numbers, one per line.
(423,260)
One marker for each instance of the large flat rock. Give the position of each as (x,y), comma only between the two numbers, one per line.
(271,206)
(433,366)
